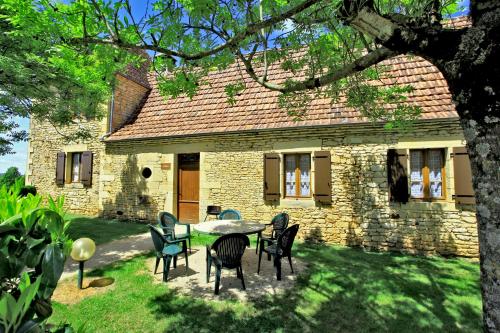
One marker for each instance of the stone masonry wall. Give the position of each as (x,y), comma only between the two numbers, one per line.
(231,175)
(45,143)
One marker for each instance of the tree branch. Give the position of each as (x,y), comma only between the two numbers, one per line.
(358,65)
(102,17)
(232,42)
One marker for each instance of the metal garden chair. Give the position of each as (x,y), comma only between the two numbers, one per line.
(230,214)
(281,248)
(168,223)
(279,223)
(167,249)
(229,250)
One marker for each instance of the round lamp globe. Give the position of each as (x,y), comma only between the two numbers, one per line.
(83,249)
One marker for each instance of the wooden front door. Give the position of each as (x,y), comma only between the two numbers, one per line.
(189,188)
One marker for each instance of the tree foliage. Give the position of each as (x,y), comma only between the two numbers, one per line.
(42,78)
(59,57)
(10,176)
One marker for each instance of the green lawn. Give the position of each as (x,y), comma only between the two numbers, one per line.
(102,230)
(344,290)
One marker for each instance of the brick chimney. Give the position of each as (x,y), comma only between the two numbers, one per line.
(132,87)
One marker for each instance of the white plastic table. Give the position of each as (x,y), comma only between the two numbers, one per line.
(224,227)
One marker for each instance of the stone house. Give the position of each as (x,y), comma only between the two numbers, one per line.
(344,179)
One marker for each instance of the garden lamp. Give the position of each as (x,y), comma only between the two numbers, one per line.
(83,249)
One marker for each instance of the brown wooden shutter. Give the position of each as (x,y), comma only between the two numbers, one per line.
(60,168)
(86,168)
(464,192)
(397,175)
(322,177)
(271,177)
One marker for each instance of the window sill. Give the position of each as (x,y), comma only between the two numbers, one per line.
(74,185)
(413,204)
(430,200)
(297,203)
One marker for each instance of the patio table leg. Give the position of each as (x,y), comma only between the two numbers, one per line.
(259,235)
(260,258)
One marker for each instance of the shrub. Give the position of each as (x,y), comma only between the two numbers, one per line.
(25,190)
(33,249)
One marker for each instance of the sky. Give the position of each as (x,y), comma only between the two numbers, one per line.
(18,159)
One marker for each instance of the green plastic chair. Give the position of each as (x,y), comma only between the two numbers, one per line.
(280,248)
(167,249)
(229,250)
(279,224)
(230,214)
(168,222)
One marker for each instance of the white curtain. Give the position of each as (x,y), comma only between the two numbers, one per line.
(76,167)
(305,175)
(290,167)
(435,174)
(416,175)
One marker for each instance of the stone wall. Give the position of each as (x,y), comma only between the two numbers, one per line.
(231,175)
(45,142)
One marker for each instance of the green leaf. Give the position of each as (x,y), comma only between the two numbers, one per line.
(52,268)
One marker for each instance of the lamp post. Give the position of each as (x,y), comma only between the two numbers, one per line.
(83,249)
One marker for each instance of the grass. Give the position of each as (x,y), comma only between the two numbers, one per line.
(105,230)
(102,230)
(344,290)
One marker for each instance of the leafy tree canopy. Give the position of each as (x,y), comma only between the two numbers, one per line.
(42,78)
(58,58)
(10,176)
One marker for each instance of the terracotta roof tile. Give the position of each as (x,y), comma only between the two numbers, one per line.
(257,108)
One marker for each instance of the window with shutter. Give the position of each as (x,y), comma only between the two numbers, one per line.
(464,192)
(86,168)
(60,168)
(271,177)
(322,177)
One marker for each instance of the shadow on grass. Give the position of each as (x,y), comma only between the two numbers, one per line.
(345,290)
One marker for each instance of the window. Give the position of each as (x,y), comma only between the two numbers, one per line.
(298,175)
(427,173)
(74,168)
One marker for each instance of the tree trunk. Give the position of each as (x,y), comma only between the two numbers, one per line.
(483,144)
(474,79)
